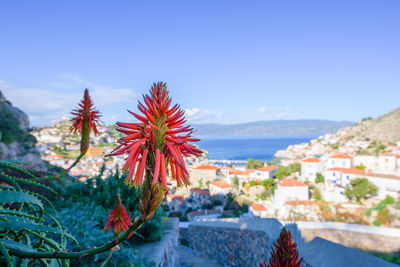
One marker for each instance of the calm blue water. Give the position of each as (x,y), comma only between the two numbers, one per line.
(244,148)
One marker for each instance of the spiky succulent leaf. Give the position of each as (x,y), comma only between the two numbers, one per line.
(10,196)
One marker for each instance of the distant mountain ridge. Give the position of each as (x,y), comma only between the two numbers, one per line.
(275,127)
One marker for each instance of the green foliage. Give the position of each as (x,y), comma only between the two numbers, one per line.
(284,171)
(316,194)
(235,180)
(394,258)
(201,184)
(360,188)
(360,167)
(253,183)
(254,164)
(9,129)
(243,184)
(26,222)
(366,119)
(376,223)
(388,200)
(383,217)
(102,193)
(319,178)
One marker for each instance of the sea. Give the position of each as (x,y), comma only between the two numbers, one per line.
(242,148)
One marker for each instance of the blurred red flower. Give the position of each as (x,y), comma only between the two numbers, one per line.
(118,218)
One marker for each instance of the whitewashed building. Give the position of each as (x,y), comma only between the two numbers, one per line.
(340,160)
(221,188)
(309,168)
(257,210)
(290,189)
(264,173)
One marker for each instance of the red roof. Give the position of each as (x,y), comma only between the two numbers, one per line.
(300,202)
(311,160)
(347,170)
(221,184)
(341,156)
(237,172)
(267,168)
(257,207)
(200,191)
(177,197)
(388,154)
(207,167)
(291,182)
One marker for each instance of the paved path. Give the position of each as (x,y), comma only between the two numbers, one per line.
(192,258)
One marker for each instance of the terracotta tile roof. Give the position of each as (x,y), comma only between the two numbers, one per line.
(257,207)
(267,168)
(347,170)
(206,167)
(311,160)
(291,182)
(237,172)
(221,184)
(177,197)
(200,191)
(300,202)
(380,175)
(341,156)
(388,154)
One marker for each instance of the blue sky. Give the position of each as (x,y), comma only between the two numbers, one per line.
(224,61)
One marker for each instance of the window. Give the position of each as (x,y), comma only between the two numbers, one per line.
(334,174)
(348,178)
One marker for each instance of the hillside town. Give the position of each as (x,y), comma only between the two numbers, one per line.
(309,181)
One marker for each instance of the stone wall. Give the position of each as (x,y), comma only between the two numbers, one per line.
(164,252)
(234,242)
(363,237)
(363,241)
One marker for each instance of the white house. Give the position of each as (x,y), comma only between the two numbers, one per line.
(242,175)
(340,160)
(309,168)
(257,210)
(176,203)
(290,189)
(200,196)
(370,162)
(221,188)
(264,173)
(387,162)
(341,177)
(387,184)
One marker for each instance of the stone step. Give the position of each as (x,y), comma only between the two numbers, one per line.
(192,258)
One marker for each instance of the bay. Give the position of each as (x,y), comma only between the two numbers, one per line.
(242,148)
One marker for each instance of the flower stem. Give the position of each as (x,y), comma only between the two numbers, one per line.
(79,254)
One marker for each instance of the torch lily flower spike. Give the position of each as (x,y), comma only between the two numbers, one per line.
(118,219)
(85,120)
(159,139)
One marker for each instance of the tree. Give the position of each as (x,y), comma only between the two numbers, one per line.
(316,194)
(383,217)
(254,164)
(284,171)
(201,184)
(360,188)
(235,180)
(360,167)
(320,178)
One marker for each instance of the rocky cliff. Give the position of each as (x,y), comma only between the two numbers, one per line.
(16,142)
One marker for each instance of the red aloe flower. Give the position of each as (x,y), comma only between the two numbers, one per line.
(284,252)
(85,120)
(118,219)
(158,139)
(85,112)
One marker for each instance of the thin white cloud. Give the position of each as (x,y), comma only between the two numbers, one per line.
(262,109)
(202,115)
(53,100)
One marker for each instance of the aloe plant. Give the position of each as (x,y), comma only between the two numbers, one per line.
(27,219)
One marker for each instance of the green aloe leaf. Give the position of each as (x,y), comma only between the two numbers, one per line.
(9,196)
(7,165)
(17,223)
(16,245)
(20,214)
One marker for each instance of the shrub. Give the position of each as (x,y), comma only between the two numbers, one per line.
(102,193)
(320,178)
(316,194)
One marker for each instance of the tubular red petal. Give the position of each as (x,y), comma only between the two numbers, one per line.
(156,167)
(163,176)
(143,165)
(143,119)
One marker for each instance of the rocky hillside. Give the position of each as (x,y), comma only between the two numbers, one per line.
(384,129)
(16,142)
